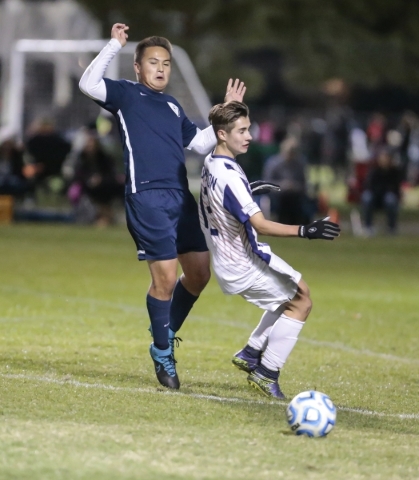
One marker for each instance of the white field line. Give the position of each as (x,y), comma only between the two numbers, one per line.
(142,310)
(74,299)
(112,388)
(369,353)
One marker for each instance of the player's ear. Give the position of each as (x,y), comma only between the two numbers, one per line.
(222,135)
(137,68)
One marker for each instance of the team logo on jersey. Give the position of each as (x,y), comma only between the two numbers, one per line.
(174,108)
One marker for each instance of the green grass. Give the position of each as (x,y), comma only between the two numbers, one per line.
(78,395)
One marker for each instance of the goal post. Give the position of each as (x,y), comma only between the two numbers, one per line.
(67,59)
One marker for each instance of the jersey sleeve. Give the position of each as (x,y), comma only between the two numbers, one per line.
(238,200)
(189,129)
(115,91)
(204,141)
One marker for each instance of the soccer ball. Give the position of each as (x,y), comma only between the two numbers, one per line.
(311,413)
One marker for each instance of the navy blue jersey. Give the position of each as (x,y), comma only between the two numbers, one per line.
(154,131)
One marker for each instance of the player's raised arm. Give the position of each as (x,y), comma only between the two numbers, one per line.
(91,83)
(205,140)
(119,32)
(235,91)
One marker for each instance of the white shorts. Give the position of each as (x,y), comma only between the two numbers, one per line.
(272,288)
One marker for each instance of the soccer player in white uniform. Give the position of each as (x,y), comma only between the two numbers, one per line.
(231,220)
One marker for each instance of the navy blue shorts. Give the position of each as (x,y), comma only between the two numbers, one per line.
(164,223)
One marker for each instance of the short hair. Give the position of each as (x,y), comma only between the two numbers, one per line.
(223,115)
(151,42)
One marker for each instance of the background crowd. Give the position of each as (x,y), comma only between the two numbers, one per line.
(82,168)
(376,157)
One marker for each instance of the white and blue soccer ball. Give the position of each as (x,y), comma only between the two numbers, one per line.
(311,413)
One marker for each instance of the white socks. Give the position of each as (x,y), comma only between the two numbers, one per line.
(281,340)
(259,336)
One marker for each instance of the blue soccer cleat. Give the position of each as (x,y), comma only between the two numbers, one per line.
(246,362)
(165,367)
(172,341)
(264,385)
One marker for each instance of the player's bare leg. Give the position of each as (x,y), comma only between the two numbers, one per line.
(163,278)
(196,275)
(163,281)
(196,271)
(171,299)
(299,307)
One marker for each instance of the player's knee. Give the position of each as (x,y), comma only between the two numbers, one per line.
(202,277)
(307,305)
(205,276)
(304,300)
(196,273)
(163,285)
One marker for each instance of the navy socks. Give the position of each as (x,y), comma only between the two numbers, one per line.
(252,352)
(267,373)
(159,313)
(182,303)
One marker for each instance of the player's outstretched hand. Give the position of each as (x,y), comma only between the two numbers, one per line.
(119,32)
(235,91)
(259,187)
(322,229)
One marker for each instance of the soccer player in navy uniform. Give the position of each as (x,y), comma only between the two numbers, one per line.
(162,215)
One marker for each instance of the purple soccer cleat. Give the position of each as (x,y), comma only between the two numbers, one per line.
(247,359)
(267,386)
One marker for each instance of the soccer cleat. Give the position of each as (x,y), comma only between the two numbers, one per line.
(172,340)
(165,367)
(267,386)
(243,361)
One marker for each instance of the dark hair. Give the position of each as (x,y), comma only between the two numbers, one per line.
(223,115)
(151,42)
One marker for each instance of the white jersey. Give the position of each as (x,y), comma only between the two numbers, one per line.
(226,205)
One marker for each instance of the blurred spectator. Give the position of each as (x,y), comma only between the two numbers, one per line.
(313,139)
(360,160)
(288,170)
(410,163)
(382,190)
(95,176)
(46,150)
(376,132)
(12,180)
(406,126)
(337,141)
(312,143)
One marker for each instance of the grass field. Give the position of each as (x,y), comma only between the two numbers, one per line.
(79,399)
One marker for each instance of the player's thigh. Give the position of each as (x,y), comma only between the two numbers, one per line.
(152,219)
(271,290)
(196,270)
(189,234)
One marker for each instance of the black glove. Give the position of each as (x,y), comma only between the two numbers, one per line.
(259,187)
(319,229)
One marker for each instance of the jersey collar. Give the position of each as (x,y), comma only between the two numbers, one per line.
(148,90)
(225,158)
